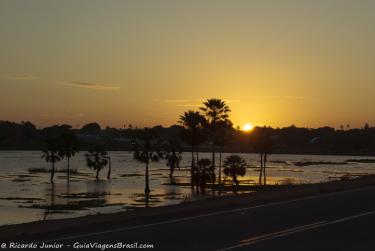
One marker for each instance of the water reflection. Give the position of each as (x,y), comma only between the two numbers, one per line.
(172,189)
(51,195)
(100,187)
(83,195)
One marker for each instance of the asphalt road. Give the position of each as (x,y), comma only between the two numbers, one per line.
(337,221)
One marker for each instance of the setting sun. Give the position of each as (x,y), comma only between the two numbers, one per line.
(247,127)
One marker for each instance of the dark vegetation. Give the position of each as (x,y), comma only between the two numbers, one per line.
(292,140)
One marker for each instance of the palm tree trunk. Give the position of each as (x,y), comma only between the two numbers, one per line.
(147,199)
(52,172)
(192,166)
(261,169)
(147,188)
(68,170)
(221,149)
(109,168)
(68,188)
(197,172)
(234,177)
(264,168)
(97,174)
(213,164)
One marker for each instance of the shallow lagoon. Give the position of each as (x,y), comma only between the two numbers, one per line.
(26,195)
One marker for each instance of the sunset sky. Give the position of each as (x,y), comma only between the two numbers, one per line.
(308,63)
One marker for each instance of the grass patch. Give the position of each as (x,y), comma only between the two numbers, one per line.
(47,170)
(361,160)
(293,170)
(21,180)
(150,200)
(177,184)
(125,175)
(77,205)
(84,195)
(311,163)
(27,176)
(241,187)
(172,198)
(21,198)
(280,162)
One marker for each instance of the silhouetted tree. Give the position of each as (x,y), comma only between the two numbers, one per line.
(147,149)
(51,154)
(96,159)
(193,123)
(263,145)
(234,165)
(224,133)
(215,110)
(69,148)
(173,155)
(91,127)
(204,173)
(109,167)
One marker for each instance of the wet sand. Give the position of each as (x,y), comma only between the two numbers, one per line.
(50,229)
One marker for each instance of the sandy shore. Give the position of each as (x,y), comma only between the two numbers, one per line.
(52,228)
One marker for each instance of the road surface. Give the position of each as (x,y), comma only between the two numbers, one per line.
(336,221)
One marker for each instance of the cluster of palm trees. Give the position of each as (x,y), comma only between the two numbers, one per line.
(65,146)
(211,124)
(148,147)
(58,148)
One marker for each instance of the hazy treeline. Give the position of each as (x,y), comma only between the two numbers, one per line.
(325,140)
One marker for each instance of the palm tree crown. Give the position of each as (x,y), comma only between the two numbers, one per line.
(204,172)
(146,149)
(193,123)
(192,120)
(215,110)
(234,165)
(68,149)
(147,146)
(69,146)
(51,154)
(96,159)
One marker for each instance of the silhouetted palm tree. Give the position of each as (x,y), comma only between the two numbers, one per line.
(69,148)
(51,154)
(215,110)
(109,167)
(193,122)
(234,165)
(146,149)
(263,146)
(204,173)
(173,155)
(224,133)
(266,151)
(96,159)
